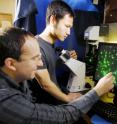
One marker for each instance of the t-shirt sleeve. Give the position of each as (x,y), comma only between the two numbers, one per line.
(43,57)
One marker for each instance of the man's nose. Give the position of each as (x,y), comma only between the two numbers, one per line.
(39,63)
(68,32)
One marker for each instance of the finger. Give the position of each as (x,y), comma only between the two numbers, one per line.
(109,75)
(72,52)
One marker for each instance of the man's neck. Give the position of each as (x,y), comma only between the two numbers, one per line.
(47,36)
(10,74)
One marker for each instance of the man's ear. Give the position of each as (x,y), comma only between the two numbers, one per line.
(9,63)
(52,19)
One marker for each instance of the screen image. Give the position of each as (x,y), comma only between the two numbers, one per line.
(106,60)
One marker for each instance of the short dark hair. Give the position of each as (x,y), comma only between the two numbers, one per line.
(11,42)
(59,9)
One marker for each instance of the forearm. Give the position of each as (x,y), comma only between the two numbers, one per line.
(49,86)
(85,102)
(20,110)
(52,89)
(61,114)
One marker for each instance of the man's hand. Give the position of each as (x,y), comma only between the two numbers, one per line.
(73,54)
(105,84)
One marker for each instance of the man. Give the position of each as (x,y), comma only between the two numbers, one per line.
(59,20)
(19,59)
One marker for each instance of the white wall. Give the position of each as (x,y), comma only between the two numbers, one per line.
(112,37)
(113,32)
(7,6)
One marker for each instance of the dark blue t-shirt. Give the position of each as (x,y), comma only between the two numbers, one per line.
(49,62)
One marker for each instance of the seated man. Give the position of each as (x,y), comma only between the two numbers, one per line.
(19,60)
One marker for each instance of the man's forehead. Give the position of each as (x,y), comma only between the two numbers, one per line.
(31,42)
(67,19)
(30,48)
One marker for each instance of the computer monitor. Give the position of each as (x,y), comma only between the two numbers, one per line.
(106,60)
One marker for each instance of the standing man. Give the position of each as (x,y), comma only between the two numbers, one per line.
(59,20)
(19,60)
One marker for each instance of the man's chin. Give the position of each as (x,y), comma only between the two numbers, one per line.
(32,76)
(62,39)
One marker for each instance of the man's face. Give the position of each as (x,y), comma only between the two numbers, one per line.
(30,60)
(62,27)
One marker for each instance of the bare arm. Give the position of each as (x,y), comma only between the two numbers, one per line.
(50,87)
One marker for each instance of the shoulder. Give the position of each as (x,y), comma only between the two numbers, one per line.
(41,41)
(8,93)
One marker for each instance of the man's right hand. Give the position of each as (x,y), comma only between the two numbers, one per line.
(105,84)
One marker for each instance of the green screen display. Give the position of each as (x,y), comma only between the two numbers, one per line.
(106,60)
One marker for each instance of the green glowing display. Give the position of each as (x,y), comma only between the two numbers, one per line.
(107,60)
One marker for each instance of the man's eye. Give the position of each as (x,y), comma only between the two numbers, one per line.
(67,26)
(36,58)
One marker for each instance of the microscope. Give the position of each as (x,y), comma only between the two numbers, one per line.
(76,80)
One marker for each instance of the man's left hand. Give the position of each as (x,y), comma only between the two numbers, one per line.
(73,54)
